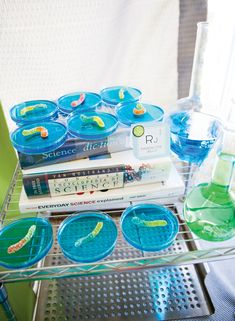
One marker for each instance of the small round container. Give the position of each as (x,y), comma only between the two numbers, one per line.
(193,134)
(110,95)
(76,242)
(33,251)
(90,130)
(35,144)
(126,116)
(91,102)
(34,111)
(134,224)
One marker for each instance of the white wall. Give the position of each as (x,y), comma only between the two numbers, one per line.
(219,82)
(49,48)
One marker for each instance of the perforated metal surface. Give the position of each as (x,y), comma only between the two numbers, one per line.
(160,294)
(156,294)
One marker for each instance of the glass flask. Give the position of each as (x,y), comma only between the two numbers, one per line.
(209,208)
(193,101)
(194,133)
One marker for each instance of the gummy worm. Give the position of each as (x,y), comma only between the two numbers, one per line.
(17,246)
(90,236)
(92,119)
(121,93)
(143,223)
(36,130)
(139,110)
(24,111)
(78,102)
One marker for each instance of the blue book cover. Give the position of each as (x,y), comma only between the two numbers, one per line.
(75,148)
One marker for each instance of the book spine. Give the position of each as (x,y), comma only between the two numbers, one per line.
(94,179)
(74,149)
(106,202)
(65,183)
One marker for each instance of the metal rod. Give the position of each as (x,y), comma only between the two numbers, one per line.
(4,302)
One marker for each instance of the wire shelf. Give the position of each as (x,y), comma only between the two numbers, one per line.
(185,249)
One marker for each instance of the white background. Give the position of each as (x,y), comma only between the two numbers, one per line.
(49,48)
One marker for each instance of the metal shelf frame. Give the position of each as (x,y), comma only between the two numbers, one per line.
(117,262)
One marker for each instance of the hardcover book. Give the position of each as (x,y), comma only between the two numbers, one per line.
(162,192)
(106,172)
(75,148)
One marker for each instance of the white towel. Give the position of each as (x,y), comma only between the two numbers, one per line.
(49,48)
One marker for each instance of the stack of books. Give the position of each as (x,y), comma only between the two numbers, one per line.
(164,192)
(108,177)
(75,148)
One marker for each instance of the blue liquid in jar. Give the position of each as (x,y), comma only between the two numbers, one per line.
(193,135)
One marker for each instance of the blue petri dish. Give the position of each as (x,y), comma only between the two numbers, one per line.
(126,116)
(35,144)
(193,134)
(90,103)
(76,242)
(37,247)
(111,95)
(90,130)
(139,227)
(33,111)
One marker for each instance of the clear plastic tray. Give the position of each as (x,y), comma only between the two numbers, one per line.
(126,116)
(90,130)
(35,144)
(111,95)
(34,111)
(87,237)
(149,227)
(90,103)
(37,246)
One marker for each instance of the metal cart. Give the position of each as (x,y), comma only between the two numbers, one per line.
(128,285)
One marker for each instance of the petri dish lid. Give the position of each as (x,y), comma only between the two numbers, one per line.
(125,114)
(76,242)
(35,144)
(91,131)
(139,226)
(110,95)
(91,101)
(34,250)
(185,124)
(33,111)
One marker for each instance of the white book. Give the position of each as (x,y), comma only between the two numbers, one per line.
(115,170)
(162,192)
